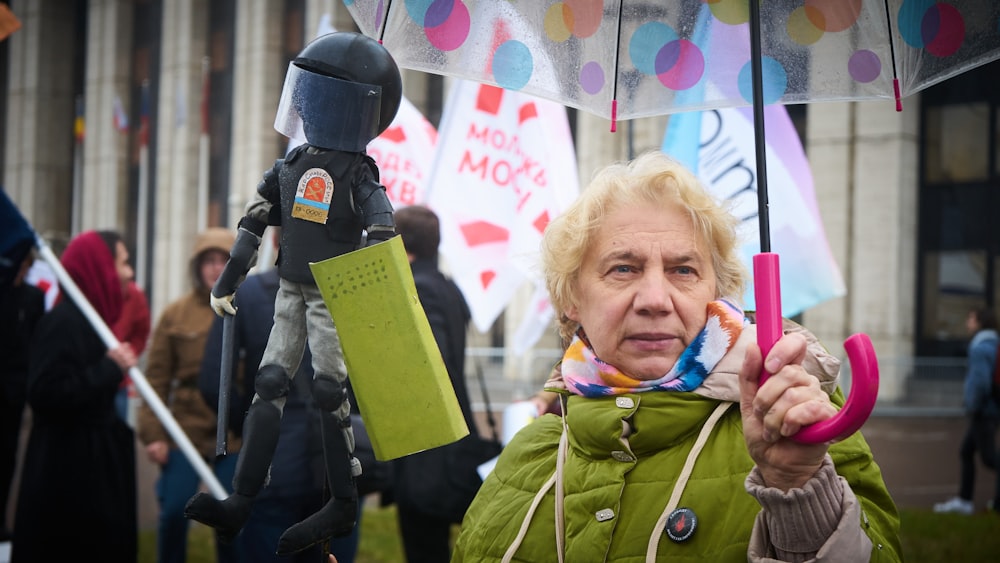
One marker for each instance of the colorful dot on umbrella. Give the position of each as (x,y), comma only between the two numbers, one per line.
(512,64)
(864,66)
(446,23)
(775,81)
(933,26)
(591,77)
(733,12)
(655,49)
(580,19)
(680,64)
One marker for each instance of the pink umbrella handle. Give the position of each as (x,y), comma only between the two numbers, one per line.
(860,353)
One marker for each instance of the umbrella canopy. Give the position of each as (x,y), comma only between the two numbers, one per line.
(622,59)
(626,59)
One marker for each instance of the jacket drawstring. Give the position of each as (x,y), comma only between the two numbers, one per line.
(527,520)
(561,491)
(556,479)
(682,479)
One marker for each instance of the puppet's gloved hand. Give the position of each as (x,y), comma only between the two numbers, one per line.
(379,233)
(223,305)
(242,257)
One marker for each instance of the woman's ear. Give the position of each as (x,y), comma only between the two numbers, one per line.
(572,313)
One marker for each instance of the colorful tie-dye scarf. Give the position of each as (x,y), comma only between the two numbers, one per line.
(585,374)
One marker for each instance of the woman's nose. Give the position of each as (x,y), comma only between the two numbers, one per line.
(653,294)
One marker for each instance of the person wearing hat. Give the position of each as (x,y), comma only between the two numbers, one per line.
(173,367)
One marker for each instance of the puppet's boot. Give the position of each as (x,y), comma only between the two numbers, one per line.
(260,438)
(338,516)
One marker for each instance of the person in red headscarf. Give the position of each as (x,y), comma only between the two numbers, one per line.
(78,488)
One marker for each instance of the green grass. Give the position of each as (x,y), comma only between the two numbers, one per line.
(926,537)
(379,540)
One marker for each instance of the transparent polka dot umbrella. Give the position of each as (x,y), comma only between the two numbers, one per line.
(630,59)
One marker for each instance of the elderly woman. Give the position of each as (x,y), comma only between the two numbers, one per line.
(669,450)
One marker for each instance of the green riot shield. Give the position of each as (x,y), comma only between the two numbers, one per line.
(400,382)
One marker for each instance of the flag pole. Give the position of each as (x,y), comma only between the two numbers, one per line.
(76,220)
(204,144)
(147,391)
(142,213)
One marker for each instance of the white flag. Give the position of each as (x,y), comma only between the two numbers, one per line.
(404,153)
(505,167)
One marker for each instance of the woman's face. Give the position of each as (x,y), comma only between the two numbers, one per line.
(124,269)
(211,266)
(643,289)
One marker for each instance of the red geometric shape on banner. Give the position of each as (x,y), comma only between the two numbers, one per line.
(487,277)
(489,99)
(541,222)
(527,112)
(394,134)
(501,34)
(483,232)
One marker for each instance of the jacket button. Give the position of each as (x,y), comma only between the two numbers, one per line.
(604,515)
(624,402)
(622,456)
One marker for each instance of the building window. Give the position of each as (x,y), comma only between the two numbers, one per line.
(958,260)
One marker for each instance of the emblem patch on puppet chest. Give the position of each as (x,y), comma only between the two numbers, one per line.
(313,195)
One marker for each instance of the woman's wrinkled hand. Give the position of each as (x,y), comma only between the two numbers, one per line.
(773,412)
(123,356)
(157,452)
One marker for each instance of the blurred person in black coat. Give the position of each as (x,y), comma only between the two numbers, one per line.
(421,484)
(21,306)
(78,489)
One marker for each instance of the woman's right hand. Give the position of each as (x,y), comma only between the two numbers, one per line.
(123,356)
(790,399)
(157,452)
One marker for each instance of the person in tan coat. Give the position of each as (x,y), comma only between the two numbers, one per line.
(173,366)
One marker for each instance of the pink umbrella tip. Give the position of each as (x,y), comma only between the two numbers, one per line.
(899,99)
(614,115)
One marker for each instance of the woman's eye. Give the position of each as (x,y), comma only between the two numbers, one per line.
(621,269)
(684,271)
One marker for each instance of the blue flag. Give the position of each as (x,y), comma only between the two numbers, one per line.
(16,240)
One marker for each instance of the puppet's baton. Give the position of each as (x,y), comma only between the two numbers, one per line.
(225,377)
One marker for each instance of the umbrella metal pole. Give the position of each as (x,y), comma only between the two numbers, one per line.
(767,287)
(767,279)
(757,75)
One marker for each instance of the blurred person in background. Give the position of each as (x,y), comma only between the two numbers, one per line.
(78,487)
(133,326)
(21,306)
(427,503)
(981,410)
(172,369)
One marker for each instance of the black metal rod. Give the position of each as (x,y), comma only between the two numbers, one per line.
(763,218)
(225,377)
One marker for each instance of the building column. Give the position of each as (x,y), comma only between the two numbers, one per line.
(864,160)
(255,99)
(105,181)
(175,185)
(39,140)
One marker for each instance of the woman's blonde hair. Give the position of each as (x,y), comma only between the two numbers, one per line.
(654,179)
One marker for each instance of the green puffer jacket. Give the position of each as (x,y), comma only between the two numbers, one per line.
(634,476)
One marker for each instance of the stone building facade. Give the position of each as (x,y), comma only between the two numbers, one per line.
(167,173)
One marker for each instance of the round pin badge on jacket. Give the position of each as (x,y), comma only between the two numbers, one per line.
(681,524)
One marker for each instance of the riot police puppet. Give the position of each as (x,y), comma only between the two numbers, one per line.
(340,92)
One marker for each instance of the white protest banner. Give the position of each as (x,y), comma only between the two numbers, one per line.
(404,153)
(505,167)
